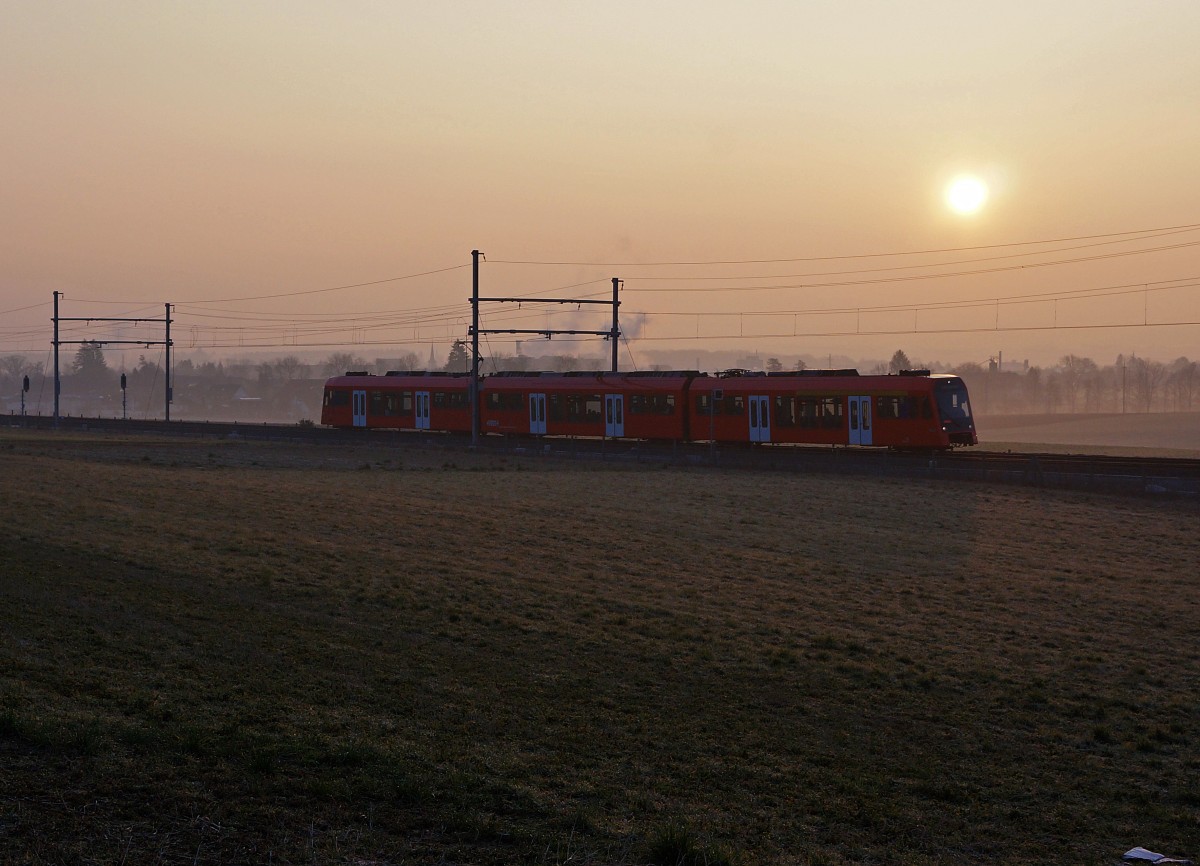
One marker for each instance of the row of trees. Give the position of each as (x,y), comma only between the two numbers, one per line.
(283,385)
(1075,384)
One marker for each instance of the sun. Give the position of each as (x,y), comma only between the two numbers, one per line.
(966,194)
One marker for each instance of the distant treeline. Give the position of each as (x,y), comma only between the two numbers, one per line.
(289,389)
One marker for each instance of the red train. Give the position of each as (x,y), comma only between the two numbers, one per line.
(913,409)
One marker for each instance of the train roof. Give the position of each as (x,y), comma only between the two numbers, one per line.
(723,375)
(593,374)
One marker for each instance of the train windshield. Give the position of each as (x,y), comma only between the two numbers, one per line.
(952,400)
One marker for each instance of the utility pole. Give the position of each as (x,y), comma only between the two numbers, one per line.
(616,332)
(57,388)
(167,367)
(475,254)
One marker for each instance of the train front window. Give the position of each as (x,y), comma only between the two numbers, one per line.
(952,400)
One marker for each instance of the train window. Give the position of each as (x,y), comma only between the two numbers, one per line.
(952,400)
(894,407)
(583,408)
(832,412)
(406,403)
(807,411)
(652,404)
(337,398)
(785,411)
(555,409)
(451,400)
(504,401)
(926,410)
(735,405)
(706,406)
(382,404)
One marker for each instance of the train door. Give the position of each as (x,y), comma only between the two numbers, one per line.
(421,409)
(760,419)
(537,414)
(358,405)
(860,421)
(614,415)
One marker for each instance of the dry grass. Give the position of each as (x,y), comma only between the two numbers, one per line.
(229,652)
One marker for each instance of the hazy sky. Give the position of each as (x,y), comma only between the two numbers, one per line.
(204,152)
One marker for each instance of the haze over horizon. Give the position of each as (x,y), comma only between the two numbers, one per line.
(768,178)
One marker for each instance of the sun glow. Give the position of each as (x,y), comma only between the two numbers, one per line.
(966,194)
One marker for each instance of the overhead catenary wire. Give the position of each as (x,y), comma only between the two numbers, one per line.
(653,278)
(1175,228)
(1004,300)
(301,292)
(906,278)
(219,323)
(859,332)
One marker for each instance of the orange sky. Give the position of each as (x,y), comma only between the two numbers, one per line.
(188,152)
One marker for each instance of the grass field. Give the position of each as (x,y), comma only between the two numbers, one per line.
(228,652)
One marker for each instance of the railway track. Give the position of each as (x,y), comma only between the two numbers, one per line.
(1151,476)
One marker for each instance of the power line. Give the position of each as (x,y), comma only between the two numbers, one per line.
(1004,300)
(1168,229)
(916,332)
(909,277)
(23,309)
(332,288)
(925,264)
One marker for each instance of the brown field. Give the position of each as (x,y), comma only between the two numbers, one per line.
(228,652)
(1174,434)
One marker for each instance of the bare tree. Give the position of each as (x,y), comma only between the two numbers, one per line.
(340,363)
(1075,374)
(407,361)
(290,367)
(1145,379)
(14,367)
(1183,380)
